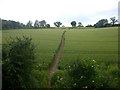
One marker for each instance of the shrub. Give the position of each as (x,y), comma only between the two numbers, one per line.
(18,63)
(41,78)
(60,79)
(83,73)
(87,73)
(107,76)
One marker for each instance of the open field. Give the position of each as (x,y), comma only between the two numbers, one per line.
(46,42)
(99,44)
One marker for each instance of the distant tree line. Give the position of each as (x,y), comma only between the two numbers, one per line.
(9,24)
(104,23)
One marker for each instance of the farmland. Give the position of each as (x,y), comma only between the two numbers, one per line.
(46,42)
(100,45)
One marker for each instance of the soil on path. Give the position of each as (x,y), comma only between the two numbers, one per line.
(57,57)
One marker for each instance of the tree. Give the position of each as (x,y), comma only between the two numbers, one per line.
(29,24)
(42,23)
(47,26)
(89,25)
(101,23)
(57,24)
(113,20)
(36,24)
(18,63)
(73,23)
(9,24)
(80,24)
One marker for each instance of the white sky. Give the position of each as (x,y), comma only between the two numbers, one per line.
(85,11)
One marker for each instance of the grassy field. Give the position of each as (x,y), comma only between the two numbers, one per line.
(99,44)
(46,42)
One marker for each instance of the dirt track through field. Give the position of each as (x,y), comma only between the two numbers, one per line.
(57,57)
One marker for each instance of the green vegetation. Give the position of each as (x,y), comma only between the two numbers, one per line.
(10,24)
(73,23)
(18,58)
(100,45)
(46,42)
(86,45)
(57,24)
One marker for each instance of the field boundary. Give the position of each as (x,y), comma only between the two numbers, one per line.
(57,57)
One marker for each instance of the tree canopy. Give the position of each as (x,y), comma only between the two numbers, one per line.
(101,23)
(36,24)
(9,24)
(42,23)
(47,26)
(80,24)
(113,20)
(29,24)
(73,23)
(57,24)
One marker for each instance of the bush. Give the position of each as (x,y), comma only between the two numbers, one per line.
(61,79)
(107,76)
(41,78)
(18,63)
(87,73)
(83,73)
(79,74)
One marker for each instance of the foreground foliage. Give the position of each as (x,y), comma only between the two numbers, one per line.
(86,73)
(18,63)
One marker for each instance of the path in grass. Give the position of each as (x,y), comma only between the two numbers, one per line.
(53,66)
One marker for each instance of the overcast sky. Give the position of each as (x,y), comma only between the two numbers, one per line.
(85,11)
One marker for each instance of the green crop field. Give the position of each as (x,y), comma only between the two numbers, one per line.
(46,42)
(99,44)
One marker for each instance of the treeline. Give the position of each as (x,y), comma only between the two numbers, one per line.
(105,23)
(9,24)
